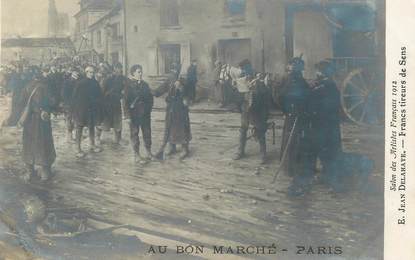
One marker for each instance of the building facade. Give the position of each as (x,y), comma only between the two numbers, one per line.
(159,33)
(106,37)
(90,12)
(162,32)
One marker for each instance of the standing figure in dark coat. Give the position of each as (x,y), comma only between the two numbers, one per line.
(254,110)
(56,80)
(177,122)
(294,98)
(112,88)
(191,81)
(324,107)
(69,85)
(138,102)
(16,84)
(87,109)
(38,147)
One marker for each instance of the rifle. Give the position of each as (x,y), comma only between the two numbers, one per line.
(160,154)
(284,154)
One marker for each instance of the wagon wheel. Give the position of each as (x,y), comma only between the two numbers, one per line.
(361,98)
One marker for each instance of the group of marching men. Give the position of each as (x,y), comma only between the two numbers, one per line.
(97,98)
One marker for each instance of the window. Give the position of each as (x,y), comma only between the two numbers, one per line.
(170,57)
(92,39)
(135,28)
(169,13)
(101,58)
(99,39)
(115,58)
(235,7)
(115,31)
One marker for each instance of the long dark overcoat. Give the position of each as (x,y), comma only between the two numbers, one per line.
(87,103)
(38,147)
(294,98)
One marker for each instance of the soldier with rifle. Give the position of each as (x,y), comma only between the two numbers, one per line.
(295,146)
(325,120)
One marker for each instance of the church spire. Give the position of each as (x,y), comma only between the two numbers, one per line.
(53,21)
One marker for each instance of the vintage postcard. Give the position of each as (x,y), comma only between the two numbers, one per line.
(207,129)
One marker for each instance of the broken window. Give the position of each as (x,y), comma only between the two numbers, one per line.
(235,7)
(169,13)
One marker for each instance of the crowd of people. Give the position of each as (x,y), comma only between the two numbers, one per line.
(99,97)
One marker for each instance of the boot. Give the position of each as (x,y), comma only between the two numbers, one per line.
(79,153)
(117,137)
(186,151)
(92,147)
(45,173)
(242,142)
(29,172)
(98,137)
(137,156)
(149,155)
(159,155)
(263,151)
(172,150)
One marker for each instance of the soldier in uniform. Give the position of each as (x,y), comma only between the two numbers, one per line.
(87,109)
(294,98)
(138,102)
(177,122)
(112,88)
(325,133)
(254,110)
(38,147)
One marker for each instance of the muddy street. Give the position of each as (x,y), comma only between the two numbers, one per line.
(207,199)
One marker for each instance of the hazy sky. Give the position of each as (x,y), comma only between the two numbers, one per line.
(29,17)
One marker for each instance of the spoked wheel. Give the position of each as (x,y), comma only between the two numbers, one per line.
(361,98)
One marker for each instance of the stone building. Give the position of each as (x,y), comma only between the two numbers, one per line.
(106,36)
(158,33)
(90,12)
(267,32)
(162,32)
